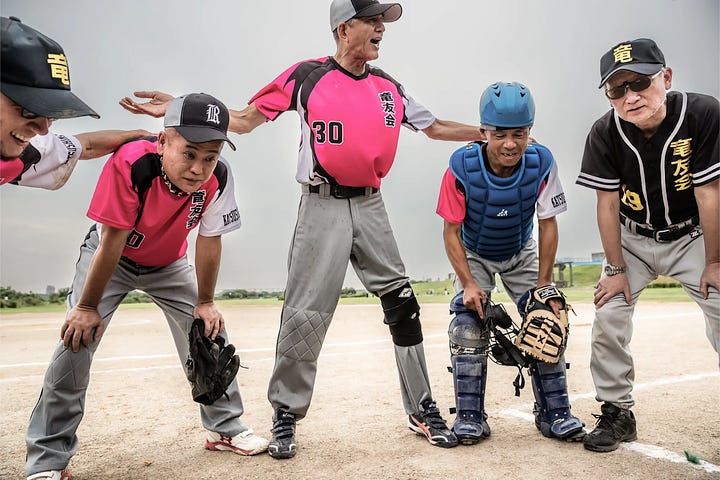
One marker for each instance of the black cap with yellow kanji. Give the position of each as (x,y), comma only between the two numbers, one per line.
(641,56)
(35,73)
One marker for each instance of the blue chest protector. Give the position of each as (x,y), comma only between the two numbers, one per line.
(499,211)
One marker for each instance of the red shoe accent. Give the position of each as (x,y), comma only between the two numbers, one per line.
(224,444)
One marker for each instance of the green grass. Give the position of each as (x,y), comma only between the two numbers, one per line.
(584,280)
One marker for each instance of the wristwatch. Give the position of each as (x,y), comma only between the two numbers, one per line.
(611,269)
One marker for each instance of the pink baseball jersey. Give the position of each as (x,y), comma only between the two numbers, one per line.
(350,124)
(132,195)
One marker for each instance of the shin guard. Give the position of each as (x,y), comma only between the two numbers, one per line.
(552,404)
(470,378)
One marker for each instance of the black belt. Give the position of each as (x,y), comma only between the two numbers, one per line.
(134,264)
(667,234)
(340,191)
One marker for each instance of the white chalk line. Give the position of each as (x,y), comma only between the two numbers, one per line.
(652,451)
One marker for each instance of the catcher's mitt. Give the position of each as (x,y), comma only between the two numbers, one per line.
(543,334)
(211,365)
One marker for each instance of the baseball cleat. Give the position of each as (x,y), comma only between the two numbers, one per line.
(282,444)
(52,475)
(614,425)
(244,443)
(431,425)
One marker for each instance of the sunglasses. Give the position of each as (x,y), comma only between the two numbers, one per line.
(25,113)
(638,85)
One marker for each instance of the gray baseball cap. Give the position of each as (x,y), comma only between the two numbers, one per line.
(199,118)
(344,10)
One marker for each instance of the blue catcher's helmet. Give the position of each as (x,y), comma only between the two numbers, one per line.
(506,105)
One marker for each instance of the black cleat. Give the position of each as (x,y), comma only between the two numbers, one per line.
(614,425)
(282,444)
(431,425)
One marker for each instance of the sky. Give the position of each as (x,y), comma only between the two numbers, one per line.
(444,53)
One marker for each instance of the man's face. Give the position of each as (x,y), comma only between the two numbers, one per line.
(15,130)
(188,165)
(506,147)
(646,108)
(364,37)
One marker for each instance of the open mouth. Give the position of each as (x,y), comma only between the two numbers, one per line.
(376,41)
(21,138)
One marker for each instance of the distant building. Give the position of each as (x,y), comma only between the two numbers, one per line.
(49,290)
(597,256)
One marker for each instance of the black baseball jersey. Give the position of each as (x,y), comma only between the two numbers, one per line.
(655,177)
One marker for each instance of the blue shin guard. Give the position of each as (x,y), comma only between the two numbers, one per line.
(469,378)
(552,404)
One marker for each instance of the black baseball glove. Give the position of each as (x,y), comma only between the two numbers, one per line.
(211,365)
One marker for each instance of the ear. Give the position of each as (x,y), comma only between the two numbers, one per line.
(667,78)
(342,30)
(162,142)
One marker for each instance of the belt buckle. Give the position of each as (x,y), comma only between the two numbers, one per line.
(658,234)
(338,191)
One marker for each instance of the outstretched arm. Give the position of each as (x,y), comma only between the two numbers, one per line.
(155,106)
(241,121)
(453,131)
(100,143)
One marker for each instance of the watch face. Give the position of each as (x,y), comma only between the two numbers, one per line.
(611,270)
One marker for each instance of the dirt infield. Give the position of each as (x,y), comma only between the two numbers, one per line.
(141,423)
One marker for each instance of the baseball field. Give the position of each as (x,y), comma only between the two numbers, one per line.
(141,423)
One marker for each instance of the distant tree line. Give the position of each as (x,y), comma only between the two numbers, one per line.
(10,298)
(280,294)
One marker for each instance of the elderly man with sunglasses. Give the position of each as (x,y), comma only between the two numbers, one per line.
(35,92)
(655,165)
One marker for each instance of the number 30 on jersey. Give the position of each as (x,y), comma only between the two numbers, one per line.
(331,132)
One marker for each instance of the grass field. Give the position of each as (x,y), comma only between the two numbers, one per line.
(422,290)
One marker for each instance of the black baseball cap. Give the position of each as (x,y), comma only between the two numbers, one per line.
(344,10)
(35,73)
(199,118)
(641,56)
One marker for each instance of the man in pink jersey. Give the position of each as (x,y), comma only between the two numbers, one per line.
(150,195)
(35,92)
(350,114)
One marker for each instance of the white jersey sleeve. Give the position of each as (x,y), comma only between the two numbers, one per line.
(417,117)
(551,200)
(222,215)
(58,156)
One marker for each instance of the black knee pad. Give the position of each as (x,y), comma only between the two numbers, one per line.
(402,315)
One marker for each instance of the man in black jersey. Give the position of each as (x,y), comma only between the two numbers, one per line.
(654,163)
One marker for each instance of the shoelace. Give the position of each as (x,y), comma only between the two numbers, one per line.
(432,416)
(605,422)
(284,426)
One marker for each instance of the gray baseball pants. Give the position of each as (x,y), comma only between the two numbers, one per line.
(51,439)
(611,362)
(518,273)
(329,233)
